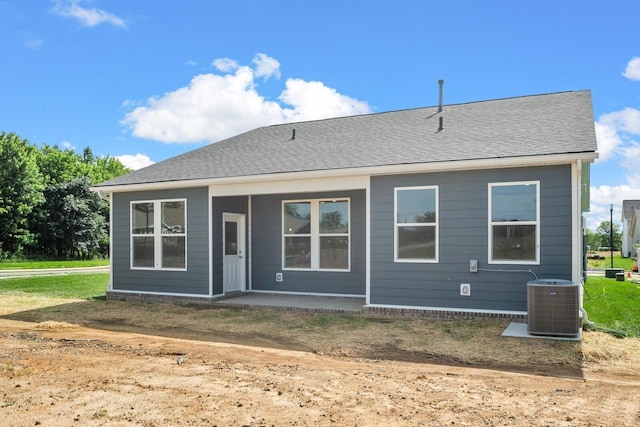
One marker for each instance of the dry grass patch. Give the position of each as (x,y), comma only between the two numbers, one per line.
(472,343)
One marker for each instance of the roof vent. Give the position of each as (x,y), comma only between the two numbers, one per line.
(293,134)
(440,119)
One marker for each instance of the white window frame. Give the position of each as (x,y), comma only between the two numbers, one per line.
(157,234)
(535,261)
(315,234)
(435,224)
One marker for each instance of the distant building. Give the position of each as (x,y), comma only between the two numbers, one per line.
(630,227)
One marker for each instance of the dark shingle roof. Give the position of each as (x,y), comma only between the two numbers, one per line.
(557,123)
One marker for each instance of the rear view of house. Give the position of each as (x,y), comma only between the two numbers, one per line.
(440,209)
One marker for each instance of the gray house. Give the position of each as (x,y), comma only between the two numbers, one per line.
(442,209)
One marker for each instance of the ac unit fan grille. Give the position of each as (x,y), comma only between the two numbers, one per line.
(553,310)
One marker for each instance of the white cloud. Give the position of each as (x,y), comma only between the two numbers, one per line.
(618,133)
(266,66)
(608,141)
(34,43)
(313,100)
(225,65)
(614,130)
(632,72)
(135,161)
(67,145)
(89,17)
(213,107)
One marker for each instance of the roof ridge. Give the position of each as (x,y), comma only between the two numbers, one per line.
(421,108)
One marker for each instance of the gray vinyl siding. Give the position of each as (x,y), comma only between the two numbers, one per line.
(223,205)
(463,236)
(195,280)
(266,251)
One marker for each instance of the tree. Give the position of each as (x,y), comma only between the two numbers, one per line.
(58,166)
(20,190)
(603,235)
(72,224)
(105,168)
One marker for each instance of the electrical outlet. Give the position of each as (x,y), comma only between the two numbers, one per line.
(278,277)
(465,289)
(473,265)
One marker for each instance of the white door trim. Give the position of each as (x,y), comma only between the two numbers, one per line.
(236,279)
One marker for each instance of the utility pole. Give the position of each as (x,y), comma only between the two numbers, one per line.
(611,234)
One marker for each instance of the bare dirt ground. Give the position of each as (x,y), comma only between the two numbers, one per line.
(114,363)
(56,373)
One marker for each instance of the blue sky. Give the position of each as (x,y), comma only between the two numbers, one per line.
(147,80)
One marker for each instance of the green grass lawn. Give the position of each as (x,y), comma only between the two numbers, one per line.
(28,265)
(609,303)
(80,286)
(618,262)
(612,304)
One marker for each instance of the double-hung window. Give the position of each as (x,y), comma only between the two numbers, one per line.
(514,222)
(159,234)
(416,224)
(316,235)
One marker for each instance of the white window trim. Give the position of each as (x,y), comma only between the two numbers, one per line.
(157,234)
(536,223)
(435,224)
(315,234)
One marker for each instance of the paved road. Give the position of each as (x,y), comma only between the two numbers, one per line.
(52,271)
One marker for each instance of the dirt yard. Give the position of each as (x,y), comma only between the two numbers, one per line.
(56,373)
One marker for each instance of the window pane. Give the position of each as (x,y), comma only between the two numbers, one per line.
(143,251)
(142,218)
(417,242)
(297,252)
(334,252)
(514,202)
(416,206)
(334,217)
(297,218)
(173,252)
(514,242)
(173,218)
(230,238)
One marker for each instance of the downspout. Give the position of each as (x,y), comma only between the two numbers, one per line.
(578,243)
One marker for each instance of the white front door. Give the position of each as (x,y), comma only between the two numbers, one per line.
(234,270)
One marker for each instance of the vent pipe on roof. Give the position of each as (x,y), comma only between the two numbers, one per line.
(440,119)
(293,134)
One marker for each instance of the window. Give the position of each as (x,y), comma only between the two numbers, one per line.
(159,234)
(416,224)
(514,230)
(316,235)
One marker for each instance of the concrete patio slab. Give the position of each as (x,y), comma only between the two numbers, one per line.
(312,303)
(519,330)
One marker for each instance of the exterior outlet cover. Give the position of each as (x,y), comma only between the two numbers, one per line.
(278,277)
(465,289)
(473,265)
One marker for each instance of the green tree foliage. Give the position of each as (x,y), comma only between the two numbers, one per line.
(72,225)
(603,236)
(20,190)
(46,205)
(58,166)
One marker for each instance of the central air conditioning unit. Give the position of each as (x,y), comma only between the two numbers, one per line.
(553,307)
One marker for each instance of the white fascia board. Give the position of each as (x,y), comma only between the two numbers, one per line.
(340,174)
